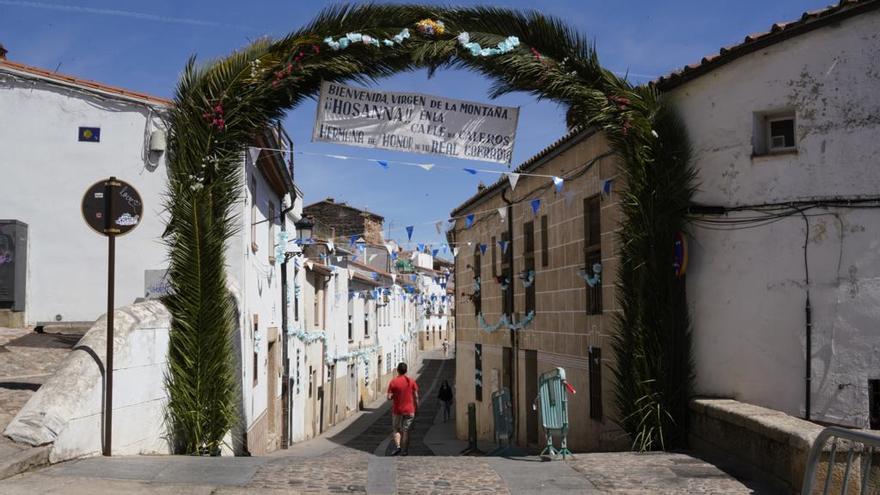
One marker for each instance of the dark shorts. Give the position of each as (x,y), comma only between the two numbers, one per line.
(401,423)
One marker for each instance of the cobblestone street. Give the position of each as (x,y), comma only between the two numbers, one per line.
(353,459)
(26,360)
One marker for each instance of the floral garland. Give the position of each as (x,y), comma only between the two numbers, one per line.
(503,281)
(506,46)
(528,278)
(346,41)
(504,321)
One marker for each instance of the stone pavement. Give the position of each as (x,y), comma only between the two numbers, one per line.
(350,459)
(27,359)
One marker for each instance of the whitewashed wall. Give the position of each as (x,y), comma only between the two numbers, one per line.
(746,288)
(46,172)
(259,284)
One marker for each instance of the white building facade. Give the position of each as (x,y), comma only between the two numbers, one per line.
(60,135)
(786,136)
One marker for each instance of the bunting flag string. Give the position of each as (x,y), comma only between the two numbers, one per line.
(513,178)
(409,232)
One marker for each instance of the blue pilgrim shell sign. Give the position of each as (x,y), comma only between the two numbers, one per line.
(89,134)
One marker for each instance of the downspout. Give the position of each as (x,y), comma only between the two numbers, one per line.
(808,329)
(285,364)
(514,343)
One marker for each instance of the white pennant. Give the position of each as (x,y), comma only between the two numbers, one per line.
(389,247)
(439,227)
(254,153)
(454,252)
(330,245)
(502,212)
(513,178)
(309,264)
(339,259)
(427,166)
(393,278)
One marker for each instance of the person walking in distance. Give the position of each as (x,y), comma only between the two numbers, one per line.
(445,396)
(404,394)
(445,347)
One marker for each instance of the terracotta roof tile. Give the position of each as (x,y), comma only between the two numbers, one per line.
(82,83)
(778,32)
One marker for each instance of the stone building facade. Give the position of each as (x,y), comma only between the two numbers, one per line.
(347,220)
(543,266)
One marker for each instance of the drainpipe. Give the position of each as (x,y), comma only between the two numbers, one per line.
(514,343)
(285,364)
(808,329)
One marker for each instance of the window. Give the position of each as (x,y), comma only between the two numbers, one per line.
(270,222)
(311,381)
(781,133)
(477,299)
(366,321)
(593,254)
(874,403)
(529,262)
(774,132)
(256,367)
(478,371)
(494,257)
(296,295)
(595,370)
(254,246)
(350,328)
(545,253)
(507,274)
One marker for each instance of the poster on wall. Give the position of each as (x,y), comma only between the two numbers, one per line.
(415,123)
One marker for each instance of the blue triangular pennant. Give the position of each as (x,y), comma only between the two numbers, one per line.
(382,164)
(536,205)
(468,221)
(409,231)
(421,247)
(434,252)
(470,171)
(483,248)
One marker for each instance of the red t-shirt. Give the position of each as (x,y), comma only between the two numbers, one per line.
(402,390)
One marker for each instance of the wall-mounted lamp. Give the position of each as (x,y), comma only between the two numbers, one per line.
(157,142)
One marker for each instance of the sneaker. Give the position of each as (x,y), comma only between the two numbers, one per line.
(396,451)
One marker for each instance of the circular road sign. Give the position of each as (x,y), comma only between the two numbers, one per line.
(112,207)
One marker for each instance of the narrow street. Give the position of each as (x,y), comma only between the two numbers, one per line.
(351,458)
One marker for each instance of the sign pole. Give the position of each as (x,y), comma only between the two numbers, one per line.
(111,282)
(111,208)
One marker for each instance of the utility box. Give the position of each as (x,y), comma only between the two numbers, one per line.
(13,264)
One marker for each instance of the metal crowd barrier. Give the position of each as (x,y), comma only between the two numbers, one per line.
(553,397)
(861,442)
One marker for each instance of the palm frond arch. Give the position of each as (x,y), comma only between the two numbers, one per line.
(221,105)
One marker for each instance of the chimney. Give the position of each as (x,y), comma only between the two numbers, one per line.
(329,200)
(3,52)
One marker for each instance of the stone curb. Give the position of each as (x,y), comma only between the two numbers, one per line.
(24,460)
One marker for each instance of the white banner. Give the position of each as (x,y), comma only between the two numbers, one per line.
(415,123)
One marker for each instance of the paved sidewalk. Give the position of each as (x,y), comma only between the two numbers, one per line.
(349,459)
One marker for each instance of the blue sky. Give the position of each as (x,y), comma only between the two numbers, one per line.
(143,47)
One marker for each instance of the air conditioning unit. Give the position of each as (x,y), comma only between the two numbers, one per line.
(13,264)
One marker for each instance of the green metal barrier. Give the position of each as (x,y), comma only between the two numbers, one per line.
(553,397)
(502,414)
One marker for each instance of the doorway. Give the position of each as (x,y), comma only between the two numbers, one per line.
(271,386)
(531,358)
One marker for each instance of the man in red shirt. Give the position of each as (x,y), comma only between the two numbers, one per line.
(404,392)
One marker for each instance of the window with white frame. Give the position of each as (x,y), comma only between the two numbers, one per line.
(775,132)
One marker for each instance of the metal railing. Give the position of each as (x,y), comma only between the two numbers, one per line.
(860,442)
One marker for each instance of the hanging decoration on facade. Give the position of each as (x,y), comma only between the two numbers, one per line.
(504,322)
(528,278)
(593,278)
